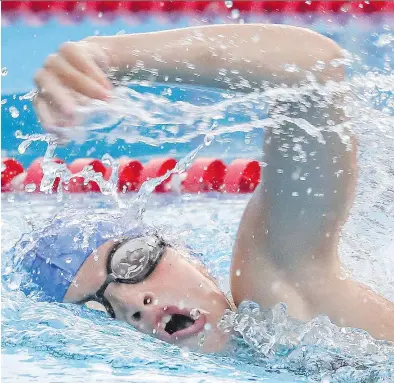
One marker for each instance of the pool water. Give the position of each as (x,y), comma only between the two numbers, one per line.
(66,343)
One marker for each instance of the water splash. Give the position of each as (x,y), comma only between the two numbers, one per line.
(317,349)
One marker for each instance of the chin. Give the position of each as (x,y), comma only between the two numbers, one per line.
(209,340)
(206,342)
(215,341)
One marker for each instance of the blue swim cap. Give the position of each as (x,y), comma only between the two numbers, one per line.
(53,255)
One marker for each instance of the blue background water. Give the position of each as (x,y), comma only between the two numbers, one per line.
(61,343)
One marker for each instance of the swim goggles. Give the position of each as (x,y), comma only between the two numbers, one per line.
(131,261)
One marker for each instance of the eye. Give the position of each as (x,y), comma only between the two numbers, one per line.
(136,316)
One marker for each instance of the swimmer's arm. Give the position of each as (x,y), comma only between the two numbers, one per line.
(242,57)
(238,57)
(287,245)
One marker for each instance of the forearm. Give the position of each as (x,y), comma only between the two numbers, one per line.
(239,57)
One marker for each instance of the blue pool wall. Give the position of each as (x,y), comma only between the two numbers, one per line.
(25,48)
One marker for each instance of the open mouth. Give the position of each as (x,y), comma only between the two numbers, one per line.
(174,324)
(178,322)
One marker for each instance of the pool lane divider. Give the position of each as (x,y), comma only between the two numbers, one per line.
(34,176)
(156,168)
(10,169)
(204,175)
(129,175)
(78,184)
(108,10)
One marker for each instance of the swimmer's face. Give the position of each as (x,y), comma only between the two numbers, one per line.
(178,303)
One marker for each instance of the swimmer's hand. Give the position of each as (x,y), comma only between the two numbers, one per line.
(68,79)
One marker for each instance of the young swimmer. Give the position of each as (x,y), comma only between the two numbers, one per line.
(286,248)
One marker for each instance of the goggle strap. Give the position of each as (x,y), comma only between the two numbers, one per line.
(100,292)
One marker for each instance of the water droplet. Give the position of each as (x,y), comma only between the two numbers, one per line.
(207,327)
(320,65)
(14,112)
(68,260)
(295,194)
(3,167)
(201,339)
(296,174)
(3,101)
(18,134)
(238,272)
(28,96)
(195,314)
(291,68)
(235,14)
(154,331)
(208,139)
(4,71)
(15,281)
(228,4)
(309,191)
(30,188)
(256,38)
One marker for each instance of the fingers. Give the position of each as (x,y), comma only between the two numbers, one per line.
(71,77)
(45,113)
(52,90)
(92,63)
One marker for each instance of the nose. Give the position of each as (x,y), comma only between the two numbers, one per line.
(145,309)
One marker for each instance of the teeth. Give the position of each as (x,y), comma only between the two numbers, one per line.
(163,322)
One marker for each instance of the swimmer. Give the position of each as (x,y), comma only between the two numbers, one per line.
(286,249)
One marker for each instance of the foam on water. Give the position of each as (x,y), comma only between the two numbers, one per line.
(271,339)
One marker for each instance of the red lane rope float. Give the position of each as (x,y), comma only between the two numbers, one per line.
(242,176)
(129,175)
(35,173)
(12,8)
(206,174)
(78,184)
(157,168)
(10,169)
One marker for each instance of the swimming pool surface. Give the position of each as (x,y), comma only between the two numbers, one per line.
(65,343)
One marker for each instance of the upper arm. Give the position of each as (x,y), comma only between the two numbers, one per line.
(291,227)
(308,186)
